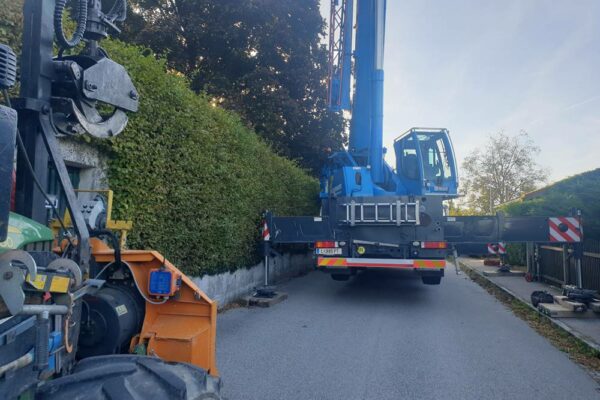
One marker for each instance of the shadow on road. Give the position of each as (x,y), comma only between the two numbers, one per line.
(383,287)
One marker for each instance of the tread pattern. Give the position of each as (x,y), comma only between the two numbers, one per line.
(131,377)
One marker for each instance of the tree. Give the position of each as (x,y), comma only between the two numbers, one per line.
(263,59)
(501,171)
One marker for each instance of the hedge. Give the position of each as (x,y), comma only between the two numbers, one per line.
(190,175)
(580,191)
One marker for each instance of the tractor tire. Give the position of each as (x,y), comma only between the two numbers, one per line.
(340,277)
(431,280)
(131,377)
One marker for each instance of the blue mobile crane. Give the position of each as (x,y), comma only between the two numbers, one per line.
(376,215)
(424,158)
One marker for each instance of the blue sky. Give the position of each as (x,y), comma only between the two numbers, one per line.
(480,66)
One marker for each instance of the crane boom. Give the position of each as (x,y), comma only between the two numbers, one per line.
(340,54)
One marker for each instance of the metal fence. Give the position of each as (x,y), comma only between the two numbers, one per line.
(557,264)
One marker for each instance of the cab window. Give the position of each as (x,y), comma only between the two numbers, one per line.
(434,152)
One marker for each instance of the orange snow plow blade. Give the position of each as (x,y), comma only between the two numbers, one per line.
(179,329)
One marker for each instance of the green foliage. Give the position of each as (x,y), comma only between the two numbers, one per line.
(580,191)
(501,171)
(263,59)
(11,20)
(516,254)
(192,177)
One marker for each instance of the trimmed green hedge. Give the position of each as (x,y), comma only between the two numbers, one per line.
(580,191)
(192,177)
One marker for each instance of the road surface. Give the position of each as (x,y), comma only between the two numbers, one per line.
(383,337)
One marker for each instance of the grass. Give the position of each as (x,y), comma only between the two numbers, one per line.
(576,349)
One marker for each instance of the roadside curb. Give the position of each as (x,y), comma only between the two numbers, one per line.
(553,321)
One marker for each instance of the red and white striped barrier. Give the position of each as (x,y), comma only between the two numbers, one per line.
(266,235)
(497,248)
(501,248)
(564,229)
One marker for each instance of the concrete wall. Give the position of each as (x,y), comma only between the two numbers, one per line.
(230,286)
(91,161)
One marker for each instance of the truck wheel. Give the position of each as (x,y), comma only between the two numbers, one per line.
(131,377)
(340,277)
(431,280)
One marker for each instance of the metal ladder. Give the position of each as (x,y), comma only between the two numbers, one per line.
(392,213)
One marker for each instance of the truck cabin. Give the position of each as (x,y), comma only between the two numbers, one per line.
(425,162)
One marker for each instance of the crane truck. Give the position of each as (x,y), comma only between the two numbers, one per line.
(375,215)
(80,316)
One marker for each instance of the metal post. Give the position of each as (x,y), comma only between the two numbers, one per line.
(267,249)
(528,256)
(579,273)
(41,341)
(537,262)
(578,252)
(36,79)
(455,257)
(565,265)
(266,270)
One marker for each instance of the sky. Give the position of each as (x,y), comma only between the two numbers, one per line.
(477,67)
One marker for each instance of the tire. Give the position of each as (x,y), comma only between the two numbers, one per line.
(431,280)
(130,377)
(540,296)
(340,277)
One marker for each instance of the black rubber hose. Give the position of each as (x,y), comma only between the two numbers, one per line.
(62,40)
(113,240)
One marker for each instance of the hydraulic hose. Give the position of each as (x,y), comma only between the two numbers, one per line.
(62,40)
(113,240)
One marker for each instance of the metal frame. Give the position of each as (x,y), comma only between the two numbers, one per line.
(398,213)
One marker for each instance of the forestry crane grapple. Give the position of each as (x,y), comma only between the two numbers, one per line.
(81,319)
(376,215)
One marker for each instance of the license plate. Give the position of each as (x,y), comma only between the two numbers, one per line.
(329,252)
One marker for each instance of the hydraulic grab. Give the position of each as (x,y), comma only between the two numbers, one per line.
(376,215)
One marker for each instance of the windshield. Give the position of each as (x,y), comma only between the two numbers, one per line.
(435,156)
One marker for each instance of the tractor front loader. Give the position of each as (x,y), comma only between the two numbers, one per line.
(82,317)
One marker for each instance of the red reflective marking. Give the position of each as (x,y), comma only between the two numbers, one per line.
(557,230)
(325,245)
(571,227)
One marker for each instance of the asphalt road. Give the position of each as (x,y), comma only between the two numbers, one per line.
(381,337)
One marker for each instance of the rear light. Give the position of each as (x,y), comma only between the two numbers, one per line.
(326,245)
(434,245)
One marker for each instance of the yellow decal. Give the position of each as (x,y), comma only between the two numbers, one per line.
(39,283)
(14,229)
(9,243)
(60,284)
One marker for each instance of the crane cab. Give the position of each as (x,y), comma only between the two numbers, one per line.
(425,162)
